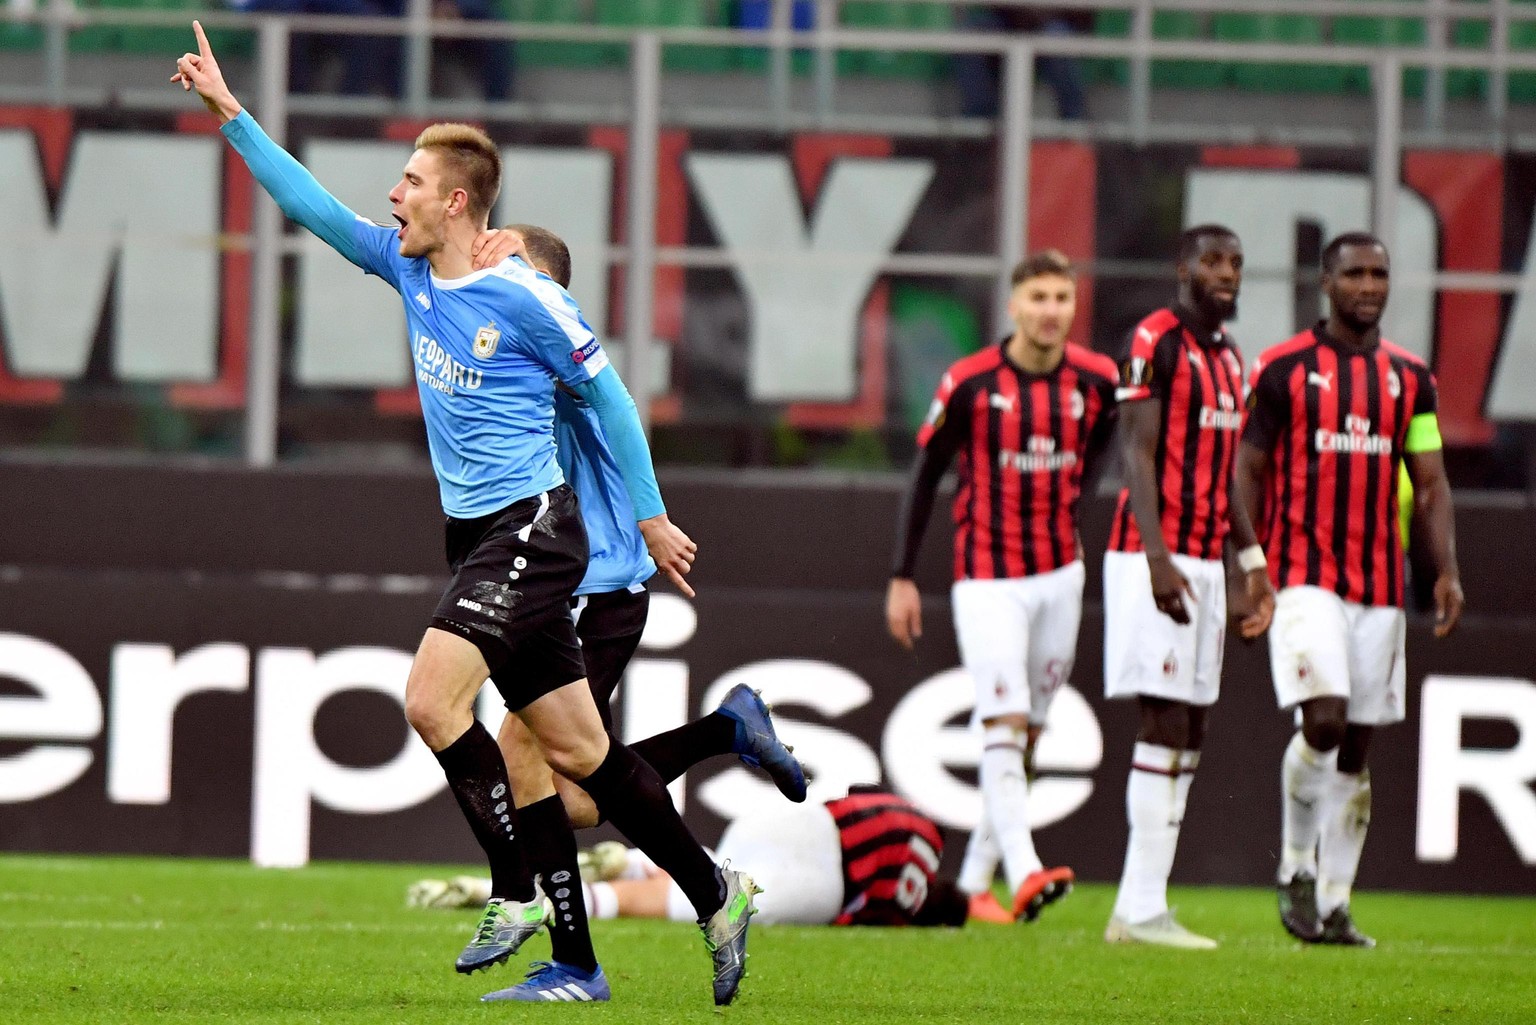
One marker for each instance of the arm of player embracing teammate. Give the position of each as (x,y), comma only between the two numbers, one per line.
(1432,505)
(938,440)
(295,190)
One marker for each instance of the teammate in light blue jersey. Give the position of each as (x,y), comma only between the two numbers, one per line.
(619,559)
(487,348)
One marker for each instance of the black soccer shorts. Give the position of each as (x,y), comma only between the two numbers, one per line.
(514,572)
(609,626)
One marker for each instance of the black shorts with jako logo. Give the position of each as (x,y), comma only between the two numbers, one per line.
(514,572)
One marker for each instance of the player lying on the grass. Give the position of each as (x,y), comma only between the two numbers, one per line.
(488,347)
(1333,414)
(610,611)
(1024,417)
(869,858)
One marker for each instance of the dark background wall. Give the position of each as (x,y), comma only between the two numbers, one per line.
(95,557)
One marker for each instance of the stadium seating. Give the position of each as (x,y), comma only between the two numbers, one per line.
(1351,30)
(1522,84)
(550,53)
(1365,29)
(673,14)
(1300,29)
(1177,74)
(910,17)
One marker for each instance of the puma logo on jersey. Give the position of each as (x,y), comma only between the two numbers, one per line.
(1003,402)
(1323,381)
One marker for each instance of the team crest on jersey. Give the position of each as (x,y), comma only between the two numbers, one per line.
(1394,385)
(485,342)
(1075,404)
(1170,665)
(936,414)
(1137,372)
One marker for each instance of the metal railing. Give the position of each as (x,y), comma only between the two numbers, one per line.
(644,115)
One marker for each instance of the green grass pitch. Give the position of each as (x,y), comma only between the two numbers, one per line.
(169,940)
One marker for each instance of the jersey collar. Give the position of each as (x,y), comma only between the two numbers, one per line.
(1189,320)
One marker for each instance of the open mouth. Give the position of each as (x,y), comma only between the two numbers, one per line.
(401,233)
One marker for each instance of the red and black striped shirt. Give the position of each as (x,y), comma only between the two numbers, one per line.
(891,855)
(1334,420)
(1200,383)
(1022,440)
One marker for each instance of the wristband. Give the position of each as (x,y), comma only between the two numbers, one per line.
(1252,558)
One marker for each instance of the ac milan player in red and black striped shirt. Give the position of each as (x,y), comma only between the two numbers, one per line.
(1181,409)
(1023,417)
(870,858)
(1333,413)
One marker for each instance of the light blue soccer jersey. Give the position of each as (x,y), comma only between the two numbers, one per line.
(619,559)
(485,348)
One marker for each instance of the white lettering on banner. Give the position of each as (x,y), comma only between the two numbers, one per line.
(1512,393)
(149,683)
(65,707)
(805,288)
(1266,207)
(921,748)
(833,759)
(349,329)
(289,768)
(1502,777)
(573,190)
(120,214)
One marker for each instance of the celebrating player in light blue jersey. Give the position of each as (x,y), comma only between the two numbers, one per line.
(610,611)
(487,348)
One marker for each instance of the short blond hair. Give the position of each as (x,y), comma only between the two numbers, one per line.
(470,162)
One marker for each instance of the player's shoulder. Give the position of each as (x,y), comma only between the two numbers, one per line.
(1156,326)
(975,365)
(1285,352)
(1086,361)
(517,277)
(1403,357)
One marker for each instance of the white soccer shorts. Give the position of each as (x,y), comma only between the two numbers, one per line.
(1323,646)
(1018,639)
(1145,651)
(794,853)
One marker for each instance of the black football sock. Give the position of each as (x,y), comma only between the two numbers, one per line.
(676,751)
(633,797)
(478,778)
(551,848)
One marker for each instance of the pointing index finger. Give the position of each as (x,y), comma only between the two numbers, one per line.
(202,39)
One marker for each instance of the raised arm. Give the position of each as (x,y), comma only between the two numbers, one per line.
(296,191)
